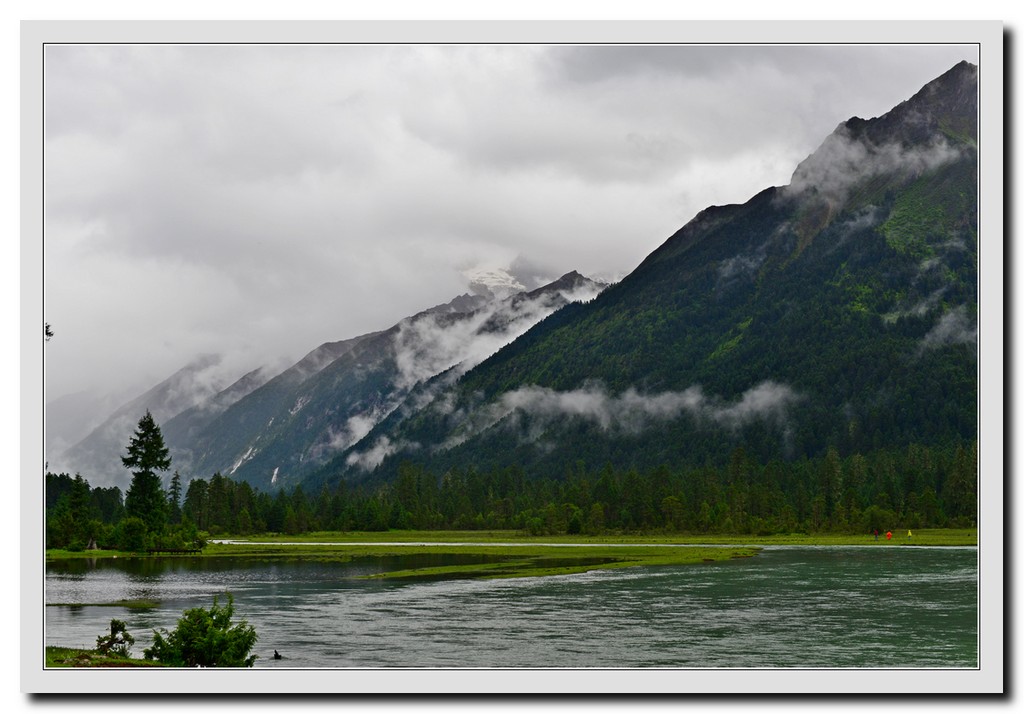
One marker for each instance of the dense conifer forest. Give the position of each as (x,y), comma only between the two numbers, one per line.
(918,487)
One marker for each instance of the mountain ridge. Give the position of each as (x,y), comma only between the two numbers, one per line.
(259,427)
(823,310)
(98,453)
(836,312)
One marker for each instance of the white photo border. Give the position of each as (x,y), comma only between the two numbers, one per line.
(989,677)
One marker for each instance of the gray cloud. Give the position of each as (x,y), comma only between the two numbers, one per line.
(956,326)
(741,264)
(443,342)
(843,162)
(380,450)
(260,200)
(431,344)
(630,412)
(818,64)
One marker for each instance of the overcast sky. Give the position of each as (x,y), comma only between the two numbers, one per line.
(257,201)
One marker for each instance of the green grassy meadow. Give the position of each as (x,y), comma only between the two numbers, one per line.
(507,554)
(928,536)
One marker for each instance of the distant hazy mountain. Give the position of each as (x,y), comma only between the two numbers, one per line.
(271,429)
(70,418)
(837,311)
(296,421)
(97,455)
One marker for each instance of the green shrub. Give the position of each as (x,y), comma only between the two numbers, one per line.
(205,638)
(118,642)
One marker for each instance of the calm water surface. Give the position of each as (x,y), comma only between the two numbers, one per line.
(788,607)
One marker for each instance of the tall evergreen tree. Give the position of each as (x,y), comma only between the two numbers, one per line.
(196,507)
(961,494)
(147,455)
(174,499)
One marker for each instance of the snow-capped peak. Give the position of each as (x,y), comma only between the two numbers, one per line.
(492,282)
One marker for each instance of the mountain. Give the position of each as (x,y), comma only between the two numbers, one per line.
(71,418)
(97,455)
(280,431)
(272,429)
(838,311)
(190,424)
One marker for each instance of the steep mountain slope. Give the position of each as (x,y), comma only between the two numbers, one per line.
(71,418)
(839,310)
(97,456)
(221,437)
(279,432)
(189,425)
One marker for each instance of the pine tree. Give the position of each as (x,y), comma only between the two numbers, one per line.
(147,455)
(961,491)
(174,499)
(196,506)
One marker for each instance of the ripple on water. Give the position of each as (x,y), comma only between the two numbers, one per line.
(786,608)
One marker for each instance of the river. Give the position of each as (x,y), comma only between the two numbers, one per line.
(788,607)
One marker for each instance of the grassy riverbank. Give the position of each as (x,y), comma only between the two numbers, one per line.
(483,560)
(505,554)
(929,536)
(512,554)
(71,657)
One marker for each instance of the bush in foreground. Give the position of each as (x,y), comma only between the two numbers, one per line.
(117,643)
(205,638)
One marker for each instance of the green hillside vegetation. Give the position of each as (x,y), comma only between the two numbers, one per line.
(916,488)
(932,210)
(843,326)
(856,304)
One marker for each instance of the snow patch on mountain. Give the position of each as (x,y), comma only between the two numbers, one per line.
(492,282)
(242,459)
(431,344)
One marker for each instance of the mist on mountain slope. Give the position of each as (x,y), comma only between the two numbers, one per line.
(889,207)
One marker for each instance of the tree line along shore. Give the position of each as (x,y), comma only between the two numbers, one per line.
(919,487)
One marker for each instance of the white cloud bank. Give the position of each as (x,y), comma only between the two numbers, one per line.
(632,412)
(954,327)
(628,413)
(430,344)
(843,161)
